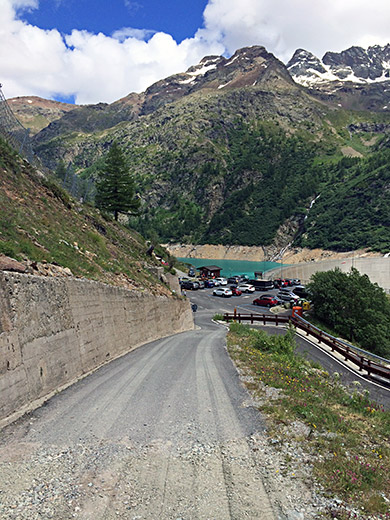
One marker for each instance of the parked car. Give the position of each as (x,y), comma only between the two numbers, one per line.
(287,296)
(223,291)
(280,282)
(201,284)
(266,300)
(296,281)
(191,272)
(209,283)
(235,290)
(246,287)
(189,284)
(233,279)
(222,281)
(300,290)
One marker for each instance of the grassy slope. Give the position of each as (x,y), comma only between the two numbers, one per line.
(345,436)
(39,222)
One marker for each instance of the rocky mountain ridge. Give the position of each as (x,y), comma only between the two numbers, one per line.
(356,78)
(248,67)
(356,65)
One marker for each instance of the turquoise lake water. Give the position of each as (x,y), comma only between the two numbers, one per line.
(234,267)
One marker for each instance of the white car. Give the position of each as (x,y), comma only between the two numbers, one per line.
(223,291)
(246,287)
(222,281)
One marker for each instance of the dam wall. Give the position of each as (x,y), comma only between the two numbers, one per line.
(54,331)
(376,268)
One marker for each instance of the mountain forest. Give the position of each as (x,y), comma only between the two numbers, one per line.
(239,150)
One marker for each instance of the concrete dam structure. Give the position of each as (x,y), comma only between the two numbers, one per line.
(377,269)
(54,331)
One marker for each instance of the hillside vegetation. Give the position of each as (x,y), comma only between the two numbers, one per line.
(231,156)
(352,210)
(39,222)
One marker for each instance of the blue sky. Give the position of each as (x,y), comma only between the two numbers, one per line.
(180,18)
(91,51)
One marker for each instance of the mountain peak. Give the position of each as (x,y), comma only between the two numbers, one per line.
(356,65)
(247,67)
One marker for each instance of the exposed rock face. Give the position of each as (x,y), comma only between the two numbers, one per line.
(355,64)
(355,79)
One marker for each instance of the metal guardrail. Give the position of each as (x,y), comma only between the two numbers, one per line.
(374,370)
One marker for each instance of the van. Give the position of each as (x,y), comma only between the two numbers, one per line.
(262,285)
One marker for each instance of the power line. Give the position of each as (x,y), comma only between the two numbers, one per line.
(12,130)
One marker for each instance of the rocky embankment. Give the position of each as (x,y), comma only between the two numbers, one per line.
(261,253)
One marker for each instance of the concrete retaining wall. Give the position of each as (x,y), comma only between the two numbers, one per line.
(377,269)
(55,330)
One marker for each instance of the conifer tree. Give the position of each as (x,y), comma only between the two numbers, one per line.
(115,189)
(60,170)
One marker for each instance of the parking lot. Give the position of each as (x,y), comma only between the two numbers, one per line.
(205,300)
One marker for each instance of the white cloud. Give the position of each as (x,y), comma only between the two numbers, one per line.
(282,26)
(97,67)
(92,67)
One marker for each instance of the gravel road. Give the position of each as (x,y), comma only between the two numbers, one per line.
(165,432)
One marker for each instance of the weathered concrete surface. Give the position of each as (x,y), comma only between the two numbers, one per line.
(377,269)
(53,331)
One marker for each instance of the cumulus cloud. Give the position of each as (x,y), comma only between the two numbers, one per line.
(99,67)
(285,25)
(90,67)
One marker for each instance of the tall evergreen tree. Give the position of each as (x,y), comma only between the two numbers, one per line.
(115,189)
(61,170)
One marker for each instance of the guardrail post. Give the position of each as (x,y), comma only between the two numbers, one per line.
(239,318)
(333,346)
(263,319)
(346,352)
(361,363)
(251,319)
(369,366)
(277,323)
(320,338)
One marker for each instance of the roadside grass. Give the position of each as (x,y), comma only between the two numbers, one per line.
(348,435)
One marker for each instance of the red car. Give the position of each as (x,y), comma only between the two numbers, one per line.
(266,300)
(280,282)
(235,291)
